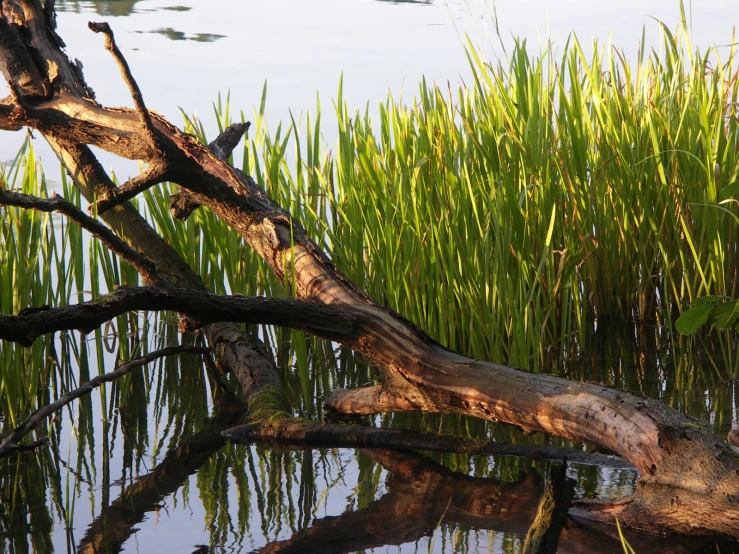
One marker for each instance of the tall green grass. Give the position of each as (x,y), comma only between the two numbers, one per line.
(28,254)
(501,216)
(507,213)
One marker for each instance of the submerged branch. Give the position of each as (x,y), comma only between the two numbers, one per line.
(10,443)
(305,434)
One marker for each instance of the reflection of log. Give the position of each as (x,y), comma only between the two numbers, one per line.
(421,495)
(543,535)
(116,522)
(689,480)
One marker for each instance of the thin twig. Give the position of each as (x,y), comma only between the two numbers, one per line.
(154,174)
(143,265)
(133,87)
(10,443)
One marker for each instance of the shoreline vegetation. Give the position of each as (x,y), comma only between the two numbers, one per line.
(508,218)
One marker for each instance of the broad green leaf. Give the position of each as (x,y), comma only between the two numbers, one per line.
(693,317)
(725,315)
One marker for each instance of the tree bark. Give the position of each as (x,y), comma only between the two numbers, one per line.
(689,480)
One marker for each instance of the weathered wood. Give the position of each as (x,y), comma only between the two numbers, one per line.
(677,457)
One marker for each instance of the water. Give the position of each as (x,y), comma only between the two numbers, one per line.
(140,465)
(302,48)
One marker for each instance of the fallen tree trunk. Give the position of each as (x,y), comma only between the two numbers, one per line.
(689,482)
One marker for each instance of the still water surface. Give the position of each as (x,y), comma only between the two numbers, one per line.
(141,467)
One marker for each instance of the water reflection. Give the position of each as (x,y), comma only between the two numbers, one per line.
(427,2)
(118,8)
(108,8)
(173,34)
(288,500)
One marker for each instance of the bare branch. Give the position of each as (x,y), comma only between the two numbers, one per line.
(138,99)
(224,144)
(156,173)
(234,350)
(143,265)
(326,321)
(10,443)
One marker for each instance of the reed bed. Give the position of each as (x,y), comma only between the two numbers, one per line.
(507,215)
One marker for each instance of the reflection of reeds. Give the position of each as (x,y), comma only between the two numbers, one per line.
(29,255)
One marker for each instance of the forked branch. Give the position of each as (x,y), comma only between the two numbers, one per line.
(156,173)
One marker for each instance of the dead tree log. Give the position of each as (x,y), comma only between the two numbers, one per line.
(690,481)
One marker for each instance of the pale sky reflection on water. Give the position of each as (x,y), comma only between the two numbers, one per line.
(302,48)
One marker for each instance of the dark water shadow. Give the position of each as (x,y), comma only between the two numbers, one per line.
(423,495)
